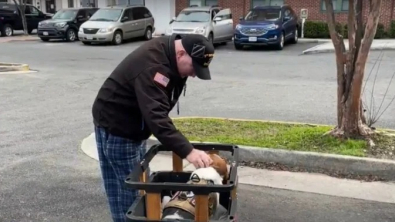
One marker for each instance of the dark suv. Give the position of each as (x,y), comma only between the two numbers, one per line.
(10,18)
(64,24)
(267,25)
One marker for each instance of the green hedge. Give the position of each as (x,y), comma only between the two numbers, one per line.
(319,29)
(392,30)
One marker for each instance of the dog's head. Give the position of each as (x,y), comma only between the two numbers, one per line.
(220,165)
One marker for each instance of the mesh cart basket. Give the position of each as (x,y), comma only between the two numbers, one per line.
(147,206)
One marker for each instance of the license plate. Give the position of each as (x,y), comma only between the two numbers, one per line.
(89,37)
(252,39)
(45,33)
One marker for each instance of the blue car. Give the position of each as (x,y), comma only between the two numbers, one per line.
(267,25)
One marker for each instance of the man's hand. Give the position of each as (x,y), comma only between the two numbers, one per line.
(199,158)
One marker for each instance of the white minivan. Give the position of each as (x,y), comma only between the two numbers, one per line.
(116,24)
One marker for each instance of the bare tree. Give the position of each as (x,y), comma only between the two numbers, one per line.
(351,122)
(21,5)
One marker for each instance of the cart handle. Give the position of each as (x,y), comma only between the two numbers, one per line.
(133,180)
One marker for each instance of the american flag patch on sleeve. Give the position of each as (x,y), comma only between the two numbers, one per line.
(161,79)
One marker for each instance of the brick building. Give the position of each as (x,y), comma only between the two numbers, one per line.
(316,8)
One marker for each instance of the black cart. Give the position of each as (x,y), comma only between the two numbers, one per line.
(147,206)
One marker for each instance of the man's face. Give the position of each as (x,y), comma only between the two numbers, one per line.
(184,63)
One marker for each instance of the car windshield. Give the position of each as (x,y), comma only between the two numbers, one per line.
(263,15)
(65,14)
(106,15)
(193,16)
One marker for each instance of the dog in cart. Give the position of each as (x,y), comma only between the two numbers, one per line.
(201,195)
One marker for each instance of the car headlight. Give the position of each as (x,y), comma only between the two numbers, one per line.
(105,30)
(271,27)
(40,24)
(80,30)
(60,24)
(238,26)
(200,30)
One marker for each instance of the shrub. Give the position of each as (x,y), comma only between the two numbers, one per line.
(380,32)
(319,29)
(316,29)
(391,31)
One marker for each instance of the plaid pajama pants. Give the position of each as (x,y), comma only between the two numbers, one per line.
(117,156)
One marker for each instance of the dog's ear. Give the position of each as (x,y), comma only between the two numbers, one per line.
(219,164)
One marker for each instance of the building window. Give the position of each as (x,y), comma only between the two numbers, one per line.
(136,2)
(71,3)
(203,2)
(338,5)
(266,3)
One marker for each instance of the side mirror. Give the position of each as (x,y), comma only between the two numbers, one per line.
(217,19)
(171,21)
(124,19)
(241,18)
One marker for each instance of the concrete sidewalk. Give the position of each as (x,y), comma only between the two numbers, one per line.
(304,182)
(378,44)
(19,38)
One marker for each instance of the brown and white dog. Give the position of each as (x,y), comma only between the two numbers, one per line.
(181,204)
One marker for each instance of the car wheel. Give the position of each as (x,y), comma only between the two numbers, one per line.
(296,36)
(44,39)
(148,33)
(238,46)
(71,35)
(117,39)
(280,44)
(7,30)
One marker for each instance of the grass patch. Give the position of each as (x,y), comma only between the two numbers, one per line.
(273,135)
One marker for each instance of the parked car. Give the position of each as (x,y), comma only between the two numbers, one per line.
(267,25)
(215,23)
(11,20)
(118,23)
(64,24)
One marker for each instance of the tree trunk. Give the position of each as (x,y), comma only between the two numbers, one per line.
(21,6)
(351,122)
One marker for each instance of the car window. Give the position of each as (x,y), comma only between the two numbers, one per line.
(146,13)
(193,16)
(82,13)
(128,13)
(90,12)
(65,14)
(225,14)
(287,13)
(138,13)
(34,10)
(263,15)
(7,7)
(107,15)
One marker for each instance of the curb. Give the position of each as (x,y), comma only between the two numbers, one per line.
(313,161)
(19,38)
(304,40)
(14,67)
(309,51)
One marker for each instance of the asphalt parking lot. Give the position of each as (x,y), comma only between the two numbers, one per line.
(45,115)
